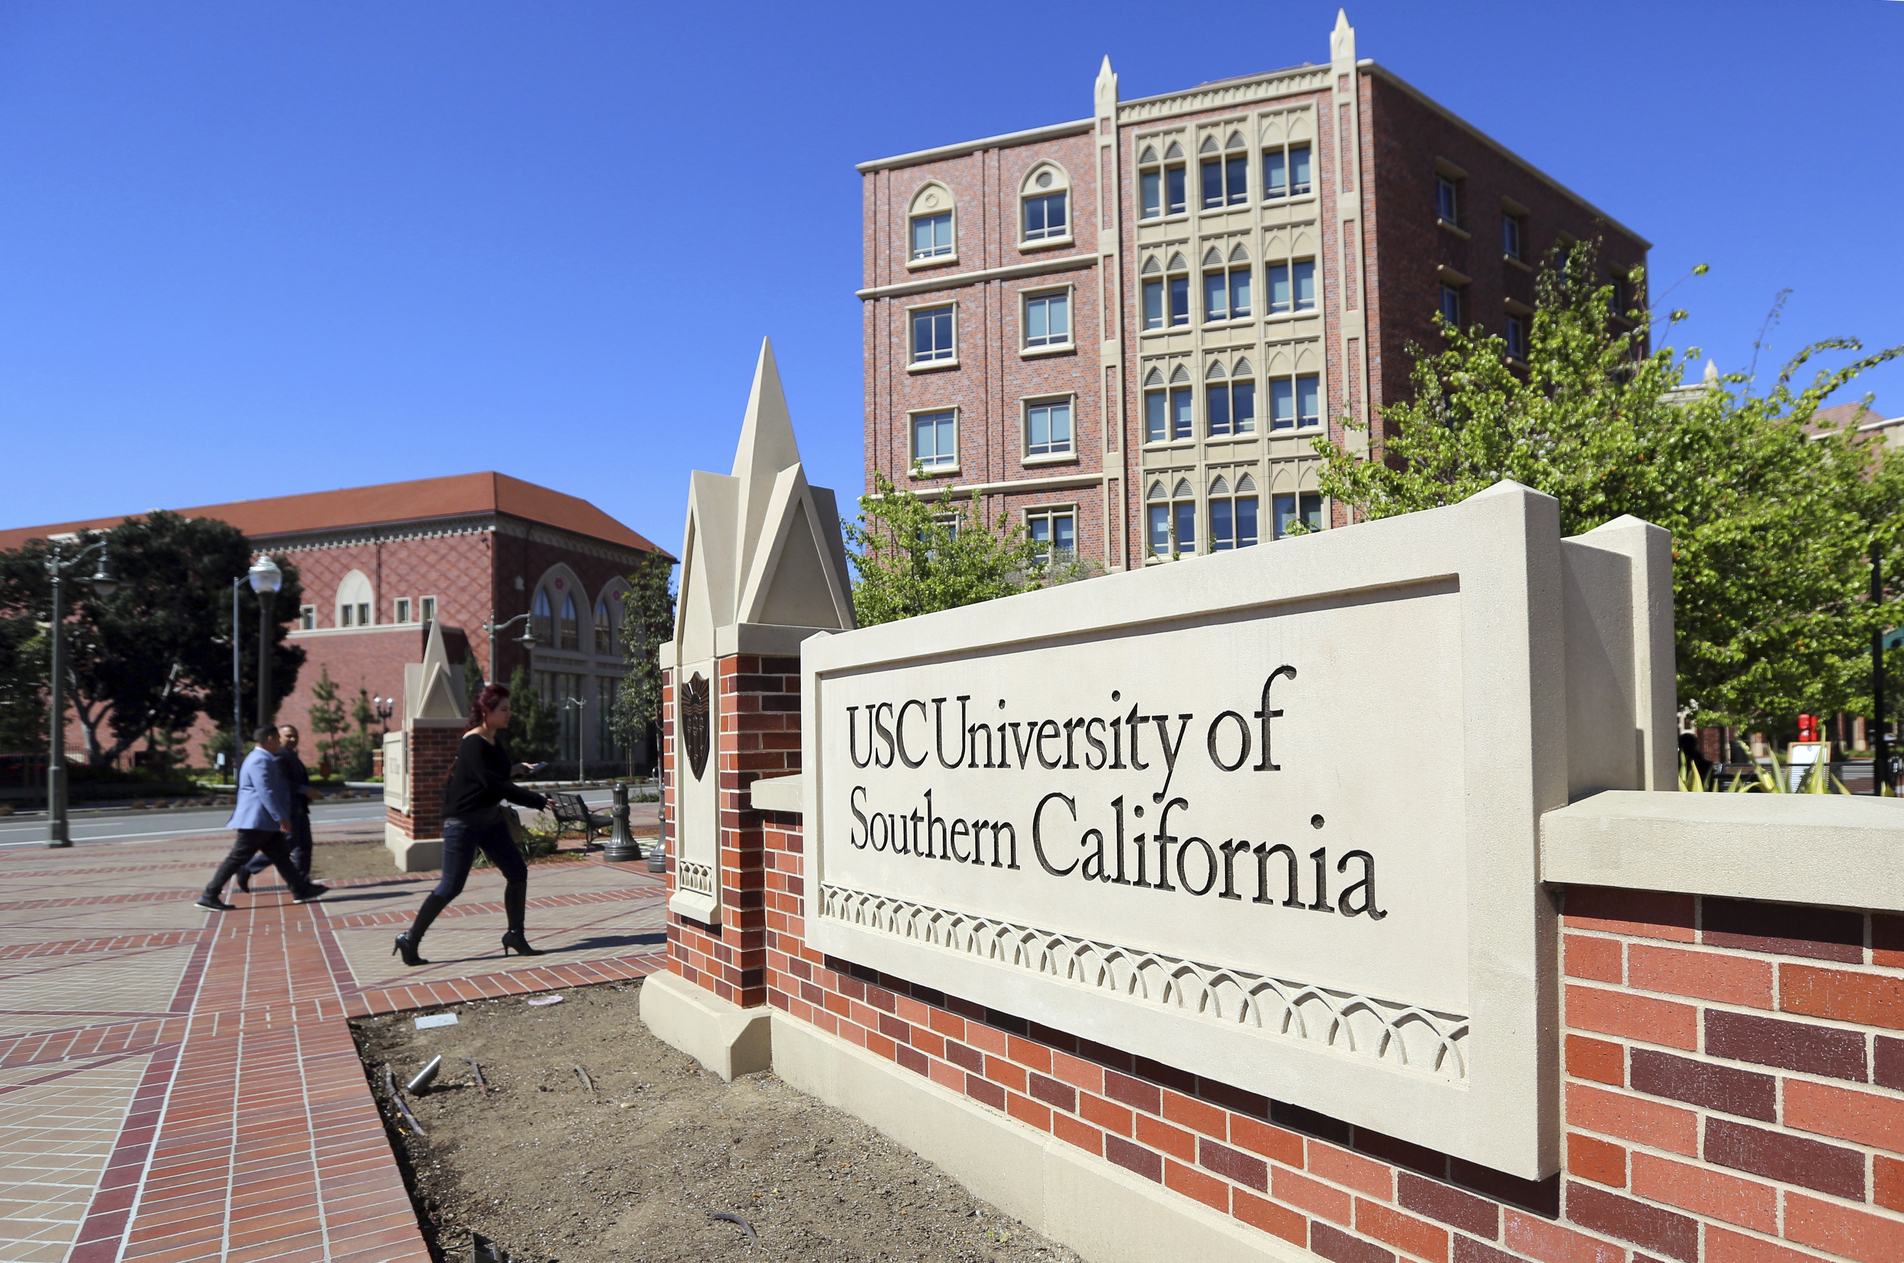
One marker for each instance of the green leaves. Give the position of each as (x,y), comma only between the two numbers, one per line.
(1772,519)
(914,556)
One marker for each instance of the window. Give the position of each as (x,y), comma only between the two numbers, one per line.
(1154,304)
(932,235)
(1516,336)
(1226,179)
(307,618)
(1230,407)
(1174,190)
(566,632)
(604,627)
(1179,290)
(354,615)
(1048,320)
(606,689)
(1226,293)
(428,605)
(356,600)
(1048,429)
(932,335)
(1451,304)
(403,609)
(1045,211)
(1185,514)
(1295,402)
(1511,236)
(1289,509)
(1285,171)
(1232,514)
(542,618)
(1619,297)
(1054,534)
(1181,426)
(1171,519)
(1167,299)
(935,440)
(1292,287)
(1156,413)
(1160,189)
(1448,199)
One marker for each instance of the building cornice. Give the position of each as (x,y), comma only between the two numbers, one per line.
(441,528)
(1050,131)
(1062,482)
(1229,93)
(1430,103)
(957,280)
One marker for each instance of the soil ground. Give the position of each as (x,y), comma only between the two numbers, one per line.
(336,861)
(629,1167)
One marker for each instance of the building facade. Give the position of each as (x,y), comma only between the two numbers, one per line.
(1128,330)
(379,564)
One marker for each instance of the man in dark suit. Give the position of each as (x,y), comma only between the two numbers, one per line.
(262,816)
(298,838)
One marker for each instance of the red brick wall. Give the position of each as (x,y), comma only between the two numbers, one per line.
(432,751)
(1734,1078)
(759,736)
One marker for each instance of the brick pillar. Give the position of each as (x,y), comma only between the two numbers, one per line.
(432,751)
(759,736)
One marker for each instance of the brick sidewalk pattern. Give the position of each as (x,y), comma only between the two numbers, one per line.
(178,1085)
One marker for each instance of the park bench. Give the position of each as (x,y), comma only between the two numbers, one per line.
(571,812)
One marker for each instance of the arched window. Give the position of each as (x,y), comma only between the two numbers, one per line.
(356,601)
(565,635)
(929,226)
(1045,199)
(604,626)
(542,620)
(1233,514)
(1172,519)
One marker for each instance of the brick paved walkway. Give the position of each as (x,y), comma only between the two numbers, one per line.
(177,1084)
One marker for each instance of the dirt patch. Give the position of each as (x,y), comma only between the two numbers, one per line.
(336,861)
(629,1170)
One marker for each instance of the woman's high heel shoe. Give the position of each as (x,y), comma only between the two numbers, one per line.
(516,941)
(406,949)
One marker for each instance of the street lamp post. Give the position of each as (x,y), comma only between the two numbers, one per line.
(103,585)
(266,579)
(490,625)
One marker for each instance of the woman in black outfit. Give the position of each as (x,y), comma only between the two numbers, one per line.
(472,820)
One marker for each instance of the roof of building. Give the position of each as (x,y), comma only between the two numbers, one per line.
(421,500)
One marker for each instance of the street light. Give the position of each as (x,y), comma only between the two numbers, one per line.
(103,586)
(266,579)
(527,640)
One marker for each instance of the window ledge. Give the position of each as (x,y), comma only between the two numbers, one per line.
(919,472)
(1456,229)
(1517,364)
(1045,243)
(931,366)
(1164,445)
(1513,262)
(1248,436)
(1284,199)
(936,261)
(1058,348)
(1056,458)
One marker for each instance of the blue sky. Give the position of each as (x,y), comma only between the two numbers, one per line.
(262,248)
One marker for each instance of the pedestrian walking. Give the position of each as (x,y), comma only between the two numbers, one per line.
(297,781)
(473,820)
(262,818)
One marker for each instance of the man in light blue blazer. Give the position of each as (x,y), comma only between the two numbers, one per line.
(262,817)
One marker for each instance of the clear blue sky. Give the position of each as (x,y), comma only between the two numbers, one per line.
(259,248)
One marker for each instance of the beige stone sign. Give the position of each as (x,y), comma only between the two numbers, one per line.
(1270,816)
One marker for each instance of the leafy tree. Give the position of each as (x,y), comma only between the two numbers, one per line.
(327,720)
(647,620)
(1772,520)
(915,556)
(157,652)
(532,722)
(23,718)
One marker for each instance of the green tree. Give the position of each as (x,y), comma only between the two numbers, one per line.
(157,652)
(647,621)
(1772,519)
(914,556)
(24,723)
(532,722)
(328,721)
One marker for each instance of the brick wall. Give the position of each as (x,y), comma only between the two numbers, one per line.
(1734,1083)
(432,751)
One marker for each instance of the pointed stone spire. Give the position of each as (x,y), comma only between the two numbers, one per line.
(1106,90)
(766,447)
(1712,373)
(1342,39)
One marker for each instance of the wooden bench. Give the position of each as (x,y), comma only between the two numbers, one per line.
(571,812)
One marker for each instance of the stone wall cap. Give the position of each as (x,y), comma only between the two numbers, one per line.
(780,793)
(1833,849)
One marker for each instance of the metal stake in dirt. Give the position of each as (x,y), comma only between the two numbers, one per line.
(622,846)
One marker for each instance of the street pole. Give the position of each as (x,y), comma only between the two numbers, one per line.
(56,834)
(237,682)
(1880,762)
(265,601)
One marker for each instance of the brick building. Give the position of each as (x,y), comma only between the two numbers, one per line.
(378,564)
(1128,329)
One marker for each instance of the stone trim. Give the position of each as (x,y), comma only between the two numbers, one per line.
(959,280)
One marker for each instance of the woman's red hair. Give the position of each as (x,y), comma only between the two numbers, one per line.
(491,696)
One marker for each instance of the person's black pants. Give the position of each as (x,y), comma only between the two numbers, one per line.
(269,842)
(463,837)
(297,843)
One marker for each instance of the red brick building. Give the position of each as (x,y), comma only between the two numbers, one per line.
(1132,326)
(379,563)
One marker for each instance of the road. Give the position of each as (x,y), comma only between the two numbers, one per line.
(129,826)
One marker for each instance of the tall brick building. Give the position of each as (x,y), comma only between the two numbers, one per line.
(380,563)
(1126,330)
